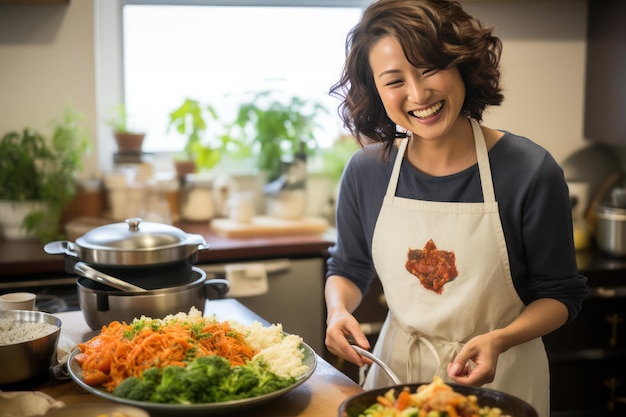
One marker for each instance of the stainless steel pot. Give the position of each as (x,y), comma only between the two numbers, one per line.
(611,229)
(101,304)
(133,243)
(148,255)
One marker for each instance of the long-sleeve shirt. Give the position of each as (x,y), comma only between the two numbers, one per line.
(533,201)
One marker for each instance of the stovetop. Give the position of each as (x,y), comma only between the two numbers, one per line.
(54,295)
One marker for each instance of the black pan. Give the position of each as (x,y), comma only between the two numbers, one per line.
(509,404)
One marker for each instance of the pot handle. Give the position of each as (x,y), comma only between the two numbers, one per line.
(196,242)
(60,247)
(216,288)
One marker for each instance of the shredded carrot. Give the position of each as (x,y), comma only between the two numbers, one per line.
(122,350)
(403,400)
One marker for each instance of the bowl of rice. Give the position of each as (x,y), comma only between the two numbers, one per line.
(28,344)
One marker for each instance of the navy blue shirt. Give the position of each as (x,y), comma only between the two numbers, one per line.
(533,201)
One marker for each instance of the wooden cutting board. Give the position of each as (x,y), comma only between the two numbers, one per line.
(261,226)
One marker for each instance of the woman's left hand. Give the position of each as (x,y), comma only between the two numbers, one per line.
(476,363)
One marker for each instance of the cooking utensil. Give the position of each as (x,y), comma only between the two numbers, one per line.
(133,242)
(509,404)
(86,271)
(30,359)
(102,304)
(378,362)
(143,254)
(594,165)
(611,229)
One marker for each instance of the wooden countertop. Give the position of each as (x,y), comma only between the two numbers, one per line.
(319,396)
(27,257)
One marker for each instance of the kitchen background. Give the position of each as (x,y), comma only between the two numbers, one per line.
(53,54)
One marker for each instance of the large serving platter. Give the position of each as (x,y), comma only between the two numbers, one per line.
(75,371)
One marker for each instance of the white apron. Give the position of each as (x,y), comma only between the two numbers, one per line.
(465,288)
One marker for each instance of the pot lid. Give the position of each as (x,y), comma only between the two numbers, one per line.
(133,234)
(136,242)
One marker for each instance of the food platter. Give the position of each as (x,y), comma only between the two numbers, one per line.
(75,371)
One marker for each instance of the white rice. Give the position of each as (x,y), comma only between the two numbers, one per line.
(13,331)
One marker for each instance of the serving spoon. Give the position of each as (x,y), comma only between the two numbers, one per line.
(378,362)
(99,276)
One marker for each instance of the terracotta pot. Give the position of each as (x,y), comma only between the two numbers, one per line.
(129,142)
(184,167)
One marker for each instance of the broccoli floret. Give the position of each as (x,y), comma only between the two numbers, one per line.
(126,386)
(173,387)
(139,388)
(214,367)
(268,381)
(152,375)
(253,379)
(238,383)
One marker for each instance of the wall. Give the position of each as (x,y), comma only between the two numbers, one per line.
(543,60)
(46,62)
(47,58)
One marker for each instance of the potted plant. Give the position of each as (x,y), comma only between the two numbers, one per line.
(37,176)
(128,140)
(191,120)
(276,131)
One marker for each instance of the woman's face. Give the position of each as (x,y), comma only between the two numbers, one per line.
(425,101)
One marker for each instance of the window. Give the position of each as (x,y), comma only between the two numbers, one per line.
(220,54)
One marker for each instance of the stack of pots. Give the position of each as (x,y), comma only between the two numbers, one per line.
(137,268)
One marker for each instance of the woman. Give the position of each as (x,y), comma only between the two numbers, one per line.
(468,228)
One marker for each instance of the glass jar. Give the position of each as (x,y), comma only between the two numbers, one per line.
(197,198)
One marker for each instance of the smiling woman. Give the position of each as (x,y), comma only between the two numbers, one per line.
(220,52)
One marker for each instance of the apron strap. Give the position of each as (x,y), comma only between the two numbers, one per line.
(415,338)
(482,156)
(484,168)
(395,173)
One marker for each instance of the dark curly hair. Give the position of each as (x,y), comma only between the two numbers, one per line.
(433,33)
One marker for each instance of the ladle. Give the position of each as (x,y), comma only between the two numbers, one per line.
(86,271)
(379,362)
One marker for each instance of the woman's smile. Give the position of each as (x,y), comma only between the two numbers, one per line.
(429,111)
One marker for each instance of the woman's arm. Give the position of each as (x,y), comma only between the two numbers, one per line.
(342,298)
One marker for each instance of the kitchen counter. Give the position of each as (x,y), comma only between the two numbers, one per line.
(27,257)
(320,395)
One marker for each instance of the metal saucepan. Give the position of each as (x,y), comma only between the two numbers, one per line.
(102,304)
(144,254)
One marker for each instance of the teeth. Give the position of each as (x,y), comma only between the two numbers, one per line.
(422,114)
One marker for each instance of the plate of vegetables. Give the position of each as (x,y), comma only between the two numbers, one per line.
(186,363)
(435,399)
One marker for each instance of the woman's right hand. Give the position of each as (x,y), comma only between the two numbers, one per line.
(342,331)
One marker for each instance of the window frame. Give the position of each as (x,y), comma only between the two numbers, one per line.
(109,54)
